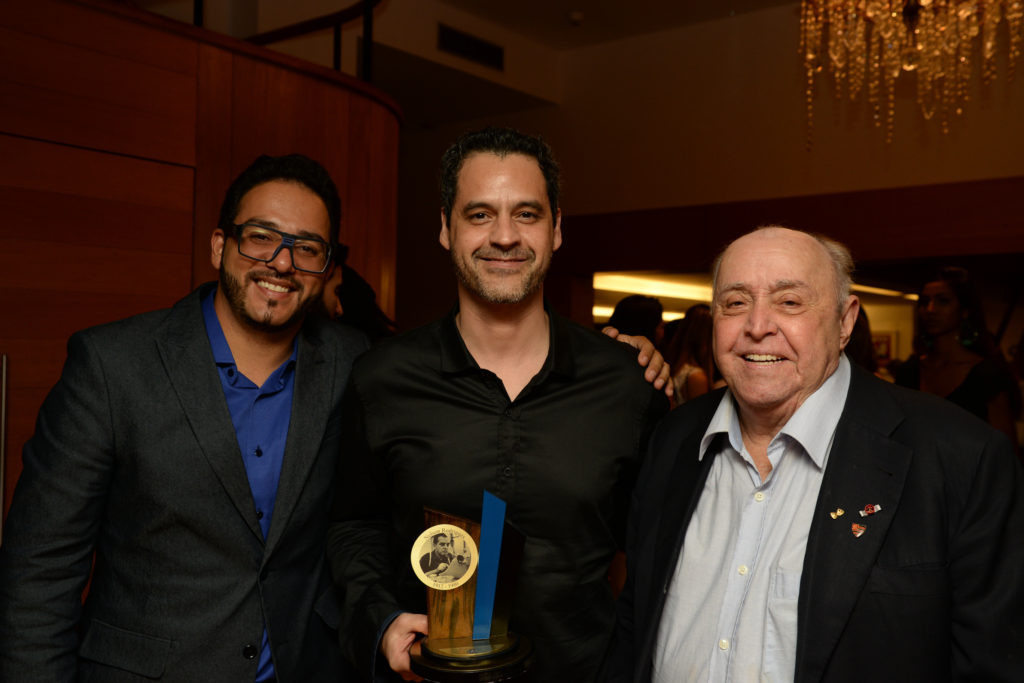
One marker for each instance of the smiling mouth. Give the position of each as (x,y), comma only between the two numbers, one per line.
(762,358)
(272,287)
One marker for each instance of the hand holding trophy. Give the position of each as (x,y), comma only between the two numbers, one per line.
(469,598)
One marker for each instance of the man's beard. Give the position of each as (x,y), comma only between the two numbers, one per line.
(234,292)
(473,282)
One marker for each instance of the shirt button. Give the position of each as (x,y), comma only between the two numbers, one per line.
(258,452)
(507,471)
(259,514)
(759,497)
(250,652)
(743,570)
(723,644)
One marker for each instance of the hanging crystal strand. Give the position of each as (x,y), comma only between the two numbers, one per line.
(1015,21)
(885,32)
(810,47)
(875,68)
(967,29)
(925,44)
(892,63)
(947,43)
(856,55)
(834,45)
(990,18)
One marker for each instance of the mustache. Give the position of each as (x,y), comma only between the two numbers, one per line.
(521,253)
(273,276)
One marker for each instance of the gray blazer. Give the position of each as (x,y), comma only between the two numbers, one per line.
(135,459)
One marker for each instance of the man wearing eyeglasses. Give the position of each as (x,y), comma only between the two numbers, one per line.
(192,453)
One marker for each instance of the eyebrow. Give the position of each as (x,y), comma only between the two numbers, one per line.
(306,234)
(777,286)
(523,204)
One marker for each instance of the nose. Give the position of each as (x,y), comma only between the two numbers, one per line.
(760,321)
(505,233)
(282,261)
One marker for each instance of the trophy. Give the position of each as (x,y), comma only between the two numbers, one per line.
(470,570)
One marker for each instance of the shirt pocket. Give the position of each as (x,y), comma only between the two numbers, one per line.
(780,627)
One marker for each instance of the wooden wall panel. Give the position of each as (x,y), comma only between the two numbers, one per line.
(276,111)
(213,153)
(119,134)
(378,245)
(89,237)
(34,165)
(104,28)
(135,101)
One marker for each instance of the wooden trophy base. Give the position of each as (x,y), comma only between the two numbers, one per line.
(464,660)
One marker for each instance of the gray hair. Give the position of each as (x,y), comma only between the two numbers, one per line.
(838,254)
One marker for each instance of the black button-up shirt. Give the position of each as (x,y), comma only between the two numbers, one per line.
(427,427)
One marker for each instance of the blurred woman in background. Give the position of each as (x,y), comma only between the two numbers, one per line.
(956,357)
(690,354)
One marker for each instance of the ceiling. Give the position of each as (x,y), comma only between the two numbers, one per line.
(555,23)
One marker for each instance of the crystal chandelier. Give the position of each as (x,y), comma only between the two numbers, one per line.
(868,43)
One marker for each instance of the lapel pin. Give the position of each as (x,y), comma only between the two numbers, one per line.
(870,509)
(858,530)
(837,513)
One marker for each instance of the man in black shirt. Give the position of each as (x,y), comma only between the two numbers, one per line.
(502,395)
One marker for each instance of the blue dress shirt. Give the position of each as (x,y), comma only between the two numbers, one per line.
(261,416)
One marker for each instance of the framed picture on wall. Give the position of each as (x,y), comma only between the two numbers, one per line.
(884,343)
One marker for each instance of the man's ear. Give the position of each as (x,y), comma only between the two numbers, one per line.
(217,240)
(557,241)
(847,320)
(444,238)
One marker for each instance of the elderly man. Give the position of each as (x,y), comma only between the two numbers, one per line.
(502,395)
(811,522)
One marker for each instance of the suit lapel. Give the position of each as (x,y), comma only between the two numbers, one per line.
(687,478)
(864,467)
(311,406)
(685,483)
(185,350)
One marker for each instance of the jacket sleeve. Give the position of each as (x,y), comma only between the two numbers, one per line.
(54,520)
(358,541)
(986,556)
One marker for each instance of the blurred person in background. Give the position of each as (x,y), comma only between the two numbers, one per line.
(690,353)
(861,349)
(639,315)
(956,357)
(350,299)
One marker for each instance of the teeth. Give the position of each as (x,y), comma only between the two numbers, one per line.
(272,287)
(762,358)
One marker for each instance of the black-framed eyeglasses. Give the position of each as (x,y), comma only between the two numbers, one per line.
(260,243)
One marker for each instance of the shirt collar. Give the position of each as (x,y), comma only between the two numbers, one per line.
(222,355)
(218,342)
(812,425)
(456,358)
